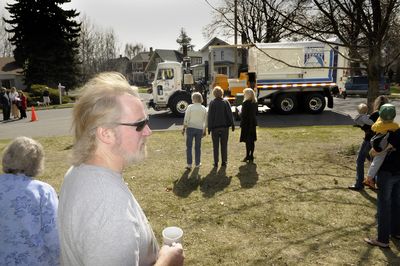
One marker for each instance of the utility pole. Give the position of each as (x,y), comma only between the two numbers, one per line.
(235,68)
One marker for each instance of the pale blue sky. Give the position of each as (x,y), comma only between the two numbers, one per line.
(155,23)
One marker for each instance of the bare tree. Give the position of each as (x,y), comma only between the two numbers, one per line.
(361,25)
(258,20)
(131,50)
(97,48)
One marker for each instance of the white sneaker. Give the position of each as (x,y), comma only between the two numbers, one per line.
(188,167)
(198,165)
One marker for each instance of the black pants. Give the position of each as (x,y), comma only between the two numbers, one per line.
(220,136)
(6,112)
(250,150)
(23,112)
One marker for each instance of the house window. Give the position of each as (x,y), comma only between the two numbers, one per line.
(196,61)
(214,55)
(222,55)
(222,70)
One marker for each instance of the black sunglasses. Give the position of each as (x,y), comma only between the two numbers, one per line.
(139,124)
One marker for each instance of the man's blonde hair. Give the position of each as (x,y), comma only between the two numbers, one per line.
(98,106)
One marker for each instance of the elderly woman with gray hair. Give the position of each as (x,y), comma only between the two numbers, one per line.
(194,124)
(28,208)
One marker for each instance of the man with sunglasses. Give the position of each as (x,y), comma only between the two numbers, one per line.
(100,221)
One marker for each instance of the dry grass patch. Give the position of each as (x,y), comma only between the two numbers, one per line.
(292,207)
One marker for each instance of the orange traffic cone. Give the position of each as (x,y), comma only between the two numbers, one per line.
(33,113)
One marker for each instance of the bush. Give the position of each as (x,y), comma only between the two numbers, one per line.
(36,94)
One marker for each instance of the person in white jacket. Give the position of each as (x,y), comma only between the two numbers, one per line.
(194,124)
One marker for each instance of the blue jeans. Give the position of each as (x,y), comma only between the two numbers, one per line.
(361,157)
(388,206)
(196,134)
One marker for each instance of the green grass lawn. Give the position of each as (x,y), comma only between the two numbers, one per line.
(291,207)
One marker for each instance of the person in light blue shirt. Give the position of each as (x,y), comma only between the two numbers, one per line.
(28,208)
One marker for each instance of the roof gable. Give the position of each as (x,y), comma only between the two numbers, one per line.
(213,41)
(141,57)
(169,55)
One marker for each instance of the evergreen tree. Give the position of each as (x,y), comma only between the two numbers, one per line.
(46,41)
(184,40)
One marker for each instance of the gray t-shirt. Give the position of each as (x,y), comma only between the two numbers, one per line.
(100,222)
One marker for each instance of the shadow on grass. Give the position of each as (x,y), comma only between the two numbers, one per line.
(248,175)
(215,181)
(187,183)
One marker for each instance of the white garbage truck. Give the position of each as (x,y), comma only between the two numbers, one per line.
(287,76)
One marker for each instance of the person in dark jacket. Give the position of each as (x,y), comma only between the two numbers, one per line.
(366,145)
(248,123)
(5,104)
(220,119)
(388,195)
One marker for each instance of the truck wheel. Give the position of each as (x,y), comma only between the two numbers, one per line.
(286,103)
(315,103)
(179,104)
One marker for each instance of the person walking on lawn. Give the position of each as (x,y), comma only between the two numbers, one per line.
(100,221)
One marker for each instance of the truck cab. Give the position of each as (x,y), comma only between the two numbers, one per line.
(168,89)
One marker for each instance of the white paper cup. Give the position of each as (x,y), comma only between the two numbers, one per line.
(171,235)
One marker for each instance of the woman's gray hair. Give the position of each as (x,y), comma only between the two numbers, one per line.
(23,156)
(197,98)
(218,92)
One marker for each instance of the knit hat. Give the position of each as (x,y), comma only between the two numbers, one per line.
(387,112)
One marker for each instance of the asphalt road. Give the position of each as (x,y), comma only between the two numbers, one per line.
(57,122)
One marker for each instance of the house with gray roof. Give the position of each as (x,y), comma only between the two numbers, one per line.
(139,64)
(161,55)
(11,74)
(223,59)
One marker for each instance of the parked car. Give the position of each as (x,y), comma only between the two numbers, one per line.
(358,85)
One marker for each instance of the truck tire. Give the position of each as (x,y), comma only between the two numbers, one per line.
(179,104)
(315,103)
(286,103)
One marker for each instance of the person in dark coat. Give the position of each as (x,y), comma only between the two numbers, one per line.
(220,119)
(5,104)
(248,123)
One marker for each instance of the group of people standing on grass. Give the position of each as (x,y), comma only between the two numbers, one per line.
(218,121)
(382,142)
(13,103)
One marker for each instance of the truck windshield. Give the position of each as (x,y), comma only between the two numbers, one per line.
(165,73)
